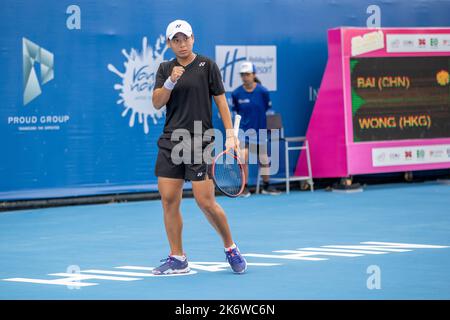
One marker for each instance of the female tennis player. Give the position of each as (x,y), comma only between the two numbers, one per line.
(251,101)
(185,86)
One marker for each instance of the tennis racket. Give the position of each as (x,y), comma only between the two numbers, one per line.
(227,170)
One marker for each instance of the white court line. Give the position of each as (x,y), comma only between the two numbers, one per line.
(61,282)
(79,276)
(343,250)
(321,253)
(135,274)
(287,256)
(204,266)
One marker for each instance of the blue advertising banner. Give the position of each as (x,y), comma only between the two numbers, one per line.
(76,114)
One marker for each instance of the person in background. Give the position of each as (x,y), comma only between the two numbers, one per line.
(251,101)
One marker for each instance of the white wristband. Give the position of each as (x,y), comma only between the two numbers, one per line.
(169,85)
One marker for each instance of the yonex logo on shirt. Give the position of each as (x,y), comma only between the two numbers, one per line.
(202,64)
(244,101)
(199,174)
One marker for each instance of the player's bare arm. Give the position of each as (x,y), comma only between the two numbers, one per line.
(222,105)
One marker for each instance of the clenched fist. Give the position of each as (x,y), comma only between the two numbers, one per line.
(177,72)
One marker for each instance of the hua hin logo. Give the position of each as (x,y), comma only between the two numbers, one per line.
(138,80)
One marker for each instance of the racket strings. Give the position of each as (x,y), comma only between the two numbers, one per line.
(228,175)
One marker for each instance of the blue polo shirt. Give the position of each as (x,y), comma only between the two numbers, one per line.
(252,107)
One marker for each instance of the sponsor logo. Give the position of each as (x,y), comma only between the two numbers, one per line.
(38,69)
(420,154)
(38,123)
(367,43)
(417,42)
(31,54)
(408,43)
(138,80)
(381,157)
(437,153)
(395,43)
(394,156)
(434,42)
(408,155)
(264,58)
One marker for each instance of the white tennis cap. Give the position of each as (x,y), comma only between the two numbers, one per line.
(247,67)
(178,26)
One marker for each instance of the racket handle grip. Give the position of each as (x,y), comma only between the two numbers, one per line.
(237,122)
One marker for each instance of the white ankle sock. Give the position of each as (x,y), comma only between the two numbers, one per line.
(181,258)
(233,246)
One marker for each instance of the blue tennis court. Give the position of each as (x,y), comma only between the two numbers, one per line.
(389,242)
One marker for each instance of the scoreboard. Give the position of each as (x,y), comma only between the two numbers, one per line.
(400,98)
(383,103)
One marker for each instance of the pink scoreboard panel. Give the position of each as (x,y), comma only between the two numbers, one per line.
(383,104)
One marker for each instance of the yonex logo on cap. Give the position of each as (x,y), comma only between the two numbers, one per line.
(178,26)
